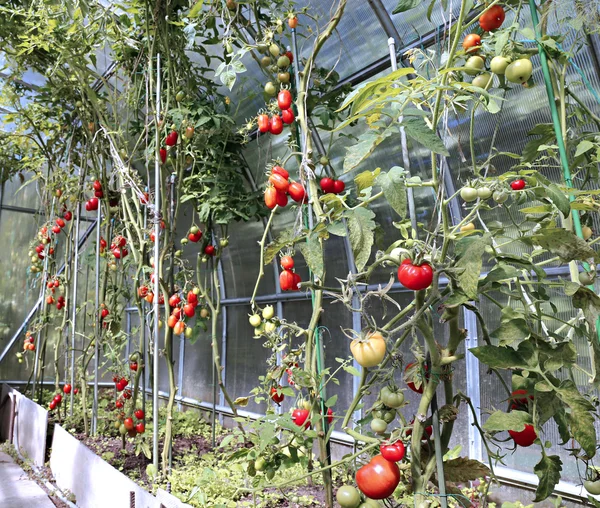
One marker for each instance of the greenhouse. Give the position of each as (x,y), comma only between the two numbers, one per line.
(325,253)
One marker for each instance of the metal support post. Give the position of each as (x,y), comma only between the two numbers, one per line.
(97,323)
(74,305)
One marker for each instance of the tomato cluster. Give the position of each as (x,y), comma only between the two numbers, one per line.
(331,186)
(29,343)
(117,247)
(55,402)
(280,186)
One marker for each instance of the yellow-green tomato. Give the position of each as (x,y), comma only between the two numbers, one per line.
(519,71)
(265,61)
(500,196)
(483,80)
(270,89)
(467,227)
(255,320)
(499,64)
(393,398)
(378,425)
(587,232)
(369,503)
(592,487)
(348,496)
(274,50)
(189,332)
(260,464)
(468,194)
(270,327)
(268,312)
(283,62)
(474,65)
(484,193)
(586,278)
(369,350)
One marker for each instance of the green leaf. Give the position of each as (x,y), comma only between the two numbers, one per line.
(196,9)
(360,229)
(546,131)
(365,180)
(463,469)
(501,272)
(418,130)
(330,402)
(366,144)
(406,5)
(312,251)
(337,228)
(548,471)
(287,238)
(500,421)
(468,267)
(393,186)
(583,147)
(505,357)
(580,418)
(511,331)
(558,197)
(565,244)
(351,370)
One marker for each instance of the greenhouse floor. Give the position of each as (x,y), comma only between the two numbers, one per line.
(16,489)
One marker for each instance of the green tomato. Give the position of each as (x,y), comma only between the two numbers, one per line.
(270,474)
(378,414)
(189,332)
(586,278)
(283,62)
(474,65)
(484,193)
(499,64)
(592,487)
(274,50)
(391,398)
(378,425)
(180,96)
(270,89)
(348,496)
(500,196)
(265,61)
(483,80)
(389,416)
(370,503)
(122,429)
(468,194)
(519,71)
(260,464)
(255,320)
(194,230)
(268,312)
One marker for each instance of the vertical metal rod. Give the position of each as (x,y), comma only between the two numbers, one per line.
(143,330)
(223,295)
(36,364)
(74,305)
(156,273)
(97,323)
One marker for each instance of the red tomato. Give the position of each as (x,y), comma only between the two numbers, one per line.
(288,116)
(139,414)
(516,401)
(52,405)
(393,452)
(415,277)
(284,99)
(428,429)
(145,198)
(163,155)
(492,19)
(287,262)
(67,215)
(277,397)
(412,373)
(128,422)
(58,398)
(279,182)
(276,125)
(140,428)
(171,139)
(471,43)
(133,366)
(297,280)
(142,291)
(518,185)
(286,280)
(174,300)
(524,438)
(99,194)
(97,185)
(103,243)
(338,186)
(296,192)
(49,300)
(278,170)
(290,55)
(192,298)
(209,250)
(189,310)
(195,237)
(300,417)
(264,123)
(271,197)
(327,185)
(119,404)
(67,388)
(104,312)
(281,198)
(329,415)
(56,229)
(379,478)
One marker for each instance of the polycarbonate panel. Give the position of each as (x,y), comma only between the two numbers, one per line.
(14,193)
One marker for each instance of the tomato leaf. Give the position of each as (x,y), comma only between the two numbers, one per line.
(468,267)
(511,331)
(580,417)
(360,228)
(583,147)
(548,471)
(312,251)
(559,199)
(406,5)
(365,180)
(500,421)
(330,402)
(366,144)
(393,186)
(565,244)
(420,132)
(196,9)
(463,469)
(351,370)
(505,357)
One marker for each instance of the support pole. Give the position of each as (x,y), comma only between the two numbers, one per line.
(74,306)
(97,322)
(155,369)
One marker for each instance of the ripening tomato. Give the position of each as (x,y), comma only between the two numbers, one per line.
(128,422)
(338,186)
(172,321)
(393,452)
(281,198)
(293,22)
(276,125)
(492,19)
(471,43)
(284,99)
(279,182)
(286,280)
(296,192)
(369,350)
(415,277)
(171,139)
(287,262)
(327,185)
(300,417)
(271,197)
(518,185)
(379,478)
(163,155)
(179,328)
(264,123)
(524,438)
(275,396)
(288,116)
